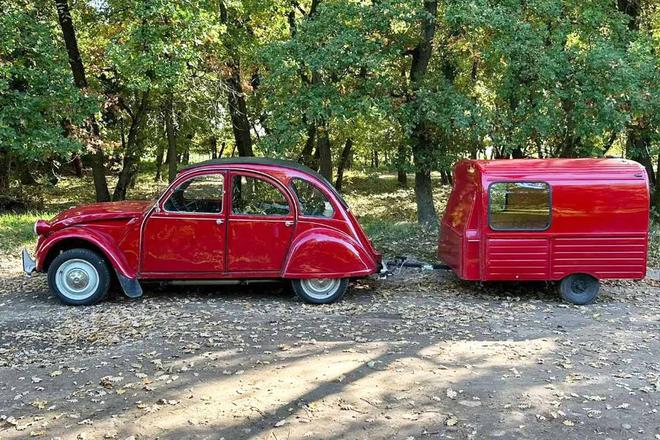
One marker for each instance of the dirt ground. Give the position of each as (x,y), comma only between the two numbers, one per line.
(421,355)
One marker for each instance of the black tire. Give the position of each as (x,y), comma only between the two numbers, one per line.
(85,259)
(579,289)
(335,291)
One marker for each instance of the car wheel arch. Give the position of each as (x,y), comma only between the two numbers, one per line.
(338,238)
(72,240)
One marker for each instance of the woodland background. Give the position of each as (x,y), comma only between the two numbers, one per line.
(117,88)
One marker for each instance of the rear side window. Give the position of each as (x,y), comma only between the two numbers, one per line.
(514,206)
(253,196)
(313,203)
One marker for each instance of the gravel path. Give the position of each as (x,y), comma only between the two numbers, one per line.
(418,356)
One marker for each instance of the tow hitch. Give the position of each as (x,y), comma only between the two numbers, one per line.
(394,266)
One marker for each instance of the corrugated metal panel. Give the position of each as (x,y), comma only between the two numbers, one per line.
(604,257)
(517,258)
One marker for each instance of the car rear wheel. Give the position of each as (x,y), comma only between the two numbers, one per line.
(320,290)
(579,288)
(79,277)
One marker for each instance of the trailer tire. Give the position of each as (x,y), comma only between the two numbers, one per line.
(579,289)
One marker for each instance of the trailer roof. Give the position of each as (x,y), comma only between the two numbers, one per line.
(600,166)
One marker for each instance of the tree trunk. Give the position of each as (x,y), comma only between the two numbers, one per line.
(639,143)
(426,214)
(238,110)
(422,156)
(160,151)
(76,161)
(445,176)
(401,162)
(97,162)
(325,154)
(133,151)
(80,80)
(307,155)
(376,162)
(213,141)
(5,170)
(171,140)
(345,156)
(24,174)
(185,157)
(421,145)
(71,43)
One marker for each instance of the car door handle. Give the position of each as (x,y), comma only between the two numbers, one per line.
(288,223)
(220,221)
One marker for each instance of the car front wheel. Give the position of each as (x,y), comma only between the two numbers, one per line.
(79,277)
(320,290)
(579,288)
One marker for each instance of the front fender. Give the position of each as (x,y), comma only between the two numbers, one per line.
(327,253)
(100,240)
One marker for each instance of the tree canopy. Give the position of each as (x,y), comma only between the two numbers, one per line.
(410,86)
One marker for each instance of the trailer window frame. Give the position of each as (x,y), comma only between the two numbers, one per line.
(526,229)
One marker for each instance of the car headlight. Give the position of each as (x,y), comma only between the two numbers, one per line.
(41,227)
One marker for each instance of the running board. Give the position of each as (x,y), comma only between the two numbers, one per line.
(217,282)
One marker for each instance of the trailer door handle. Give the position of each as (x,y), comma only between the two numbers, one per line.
(288,223)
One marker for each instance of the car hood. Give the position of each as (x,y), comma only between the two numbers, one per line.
(99,212)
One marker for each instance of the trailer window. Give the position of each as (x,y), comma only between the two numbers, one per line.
(519,206)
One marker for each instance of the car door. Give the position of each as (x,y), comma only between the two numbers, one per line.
(186,234)
(260,224)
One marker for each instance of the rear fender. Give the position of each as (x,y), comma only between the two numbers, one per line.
(327,253)
(96,239)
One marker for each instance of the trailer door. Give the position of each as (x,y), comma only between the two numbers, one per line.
(517,244)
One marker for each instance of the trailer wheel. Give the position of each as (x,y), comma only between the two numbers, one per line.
(579,288)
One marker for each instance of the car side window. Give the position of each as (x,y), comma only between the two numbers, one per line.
(519,206)
(253,196)
(313,203)
(201,194)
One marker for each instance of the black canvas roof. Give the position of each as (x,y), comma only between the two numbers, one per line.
(284,163)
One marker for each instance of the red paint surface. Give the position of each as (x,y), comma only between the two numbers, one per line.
(142,240)
(599,226)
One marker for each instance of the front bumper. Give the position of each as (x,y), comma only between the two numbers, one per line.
(29,265)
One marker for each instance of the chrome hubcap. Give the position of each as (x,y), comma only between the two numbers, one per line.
(77,279)
(320,288)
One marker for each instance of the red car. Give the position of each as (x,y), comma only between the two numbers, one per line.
(220,221)
(571,220)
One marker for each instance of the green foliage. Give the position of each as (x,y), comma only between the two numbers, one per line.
(39,104)
(158,44)
(533,78)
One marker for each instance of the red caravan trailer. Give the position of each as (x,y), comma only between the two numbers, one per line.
(574,220)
